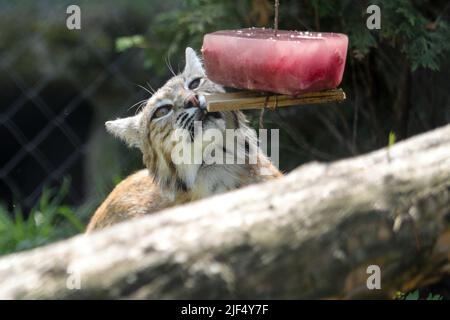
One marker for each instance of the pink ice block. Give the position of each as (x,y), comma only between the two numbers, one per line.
(291,63)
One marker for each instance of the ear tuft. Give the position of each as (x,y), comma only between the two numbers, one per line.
(126,129)
(193,64)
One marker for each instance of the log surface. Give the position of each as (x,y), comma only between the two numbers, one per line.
(310,234)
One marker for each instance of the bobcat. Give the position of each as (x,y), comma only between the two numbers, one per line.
(177,106)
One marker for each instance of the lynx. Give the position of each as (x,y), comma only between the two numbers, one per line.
(178,105)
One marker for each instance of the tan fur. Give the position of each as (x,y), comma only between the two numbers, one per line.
(166,183)
(138,195)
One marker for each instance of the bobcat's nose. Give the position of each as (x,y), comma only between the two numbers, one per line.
(196,101)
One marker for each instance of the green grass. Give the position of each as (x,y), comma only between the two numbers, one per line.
(48,221)
(392,138)
(416,295)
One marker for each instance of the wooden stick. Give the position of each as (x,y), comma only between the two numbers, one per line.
(243,100)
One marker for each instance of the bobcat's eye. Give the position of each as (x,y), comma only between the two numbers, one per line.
(162,111)
(194,83)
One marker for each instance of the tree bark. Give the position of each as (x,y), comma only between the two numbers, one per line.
(310,234)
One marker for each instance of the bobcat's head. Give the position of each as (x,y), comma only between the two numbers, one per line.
(176,105)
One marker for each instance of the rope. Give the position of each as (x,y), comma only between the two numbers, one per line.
(261,119)
(275,22)
(275,31)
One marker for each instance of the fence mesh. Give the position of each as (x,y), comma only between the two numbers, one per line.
(48,111)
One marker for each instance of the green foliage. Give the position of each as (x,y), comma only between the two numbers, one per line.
(188,24)
(423,41)
(117,179)
(415,295)
(405,26)
(48,221)
(434,297)
(392,138)
(125,43)
(172,31)
(412,295)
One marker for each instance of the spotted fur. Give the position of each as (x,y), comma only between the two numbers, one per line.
(163,183)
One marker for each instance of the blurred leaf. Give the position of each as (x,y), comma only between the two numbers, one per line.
(392,138)
(125,43)
(67,213)
(412,295)
(434,297)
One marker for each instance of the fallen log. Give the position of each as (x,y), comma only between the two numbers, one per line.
(311,234)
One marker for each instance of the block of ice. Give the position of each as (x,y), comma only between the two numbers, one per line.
(290,63)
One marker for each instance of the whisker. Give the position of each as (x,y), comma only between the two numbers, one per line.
(169,65)
(142,101)
(150,87)
(145,89)
(143,104)
(142,87)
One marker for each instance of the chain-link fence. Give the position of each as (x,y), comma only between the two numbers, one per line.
(58,87)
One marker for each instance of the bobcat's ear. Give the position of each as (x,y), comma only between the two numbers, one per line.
(193,64)
(126,129)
